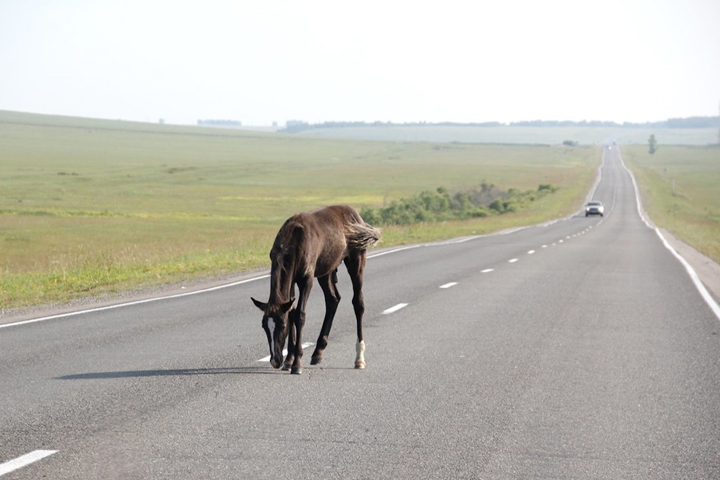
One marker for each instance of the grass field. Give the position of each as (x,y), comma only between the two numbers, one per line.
(680,188)
(89,207)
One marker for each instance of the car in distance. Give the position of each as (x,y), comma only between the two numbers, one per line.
(594,208)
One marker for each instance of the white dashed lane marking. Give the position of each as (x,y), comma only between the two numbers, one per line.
(394,309)
(285,352)
(24,461)
(400,306)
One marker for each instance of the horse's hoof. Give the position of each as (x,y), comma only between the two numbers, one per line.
(286,367)
(296,371)
(315,360)
(359,365)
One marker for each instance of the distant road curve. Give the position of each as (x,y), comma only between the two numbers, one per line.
(704,272)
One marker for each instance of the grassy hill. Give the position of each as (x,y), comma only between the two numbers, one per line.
(90,207)
(680,188)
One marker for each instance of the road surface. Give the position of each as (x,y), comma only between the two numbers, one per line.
(577,349)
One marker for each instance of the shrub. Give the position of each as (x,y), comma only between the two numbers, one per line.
(440,205)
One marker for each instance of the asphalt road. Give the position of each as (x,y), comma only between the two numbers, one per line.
(579,349)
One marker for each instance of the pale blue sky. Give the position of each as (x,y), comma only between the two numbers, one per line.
(264,61)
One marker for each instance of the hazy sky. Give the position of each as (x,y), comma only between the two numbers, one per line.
(262,61)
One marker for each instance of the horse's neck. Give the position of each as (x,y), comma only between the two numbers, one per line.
(280,283)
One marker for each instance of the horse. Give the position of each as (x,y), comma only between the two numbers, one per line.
(312,245)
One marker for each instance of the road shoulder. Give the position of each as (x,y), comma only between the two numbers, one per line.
(706,268)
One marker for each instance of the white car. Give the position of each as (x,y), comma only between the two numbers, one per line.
(594,208)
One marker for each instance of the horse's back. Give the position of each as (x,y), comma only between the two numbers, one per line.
(318,240)
(336,215)
(345,221)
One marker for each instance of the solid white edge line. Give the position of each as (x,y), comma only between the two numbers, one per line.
(166,297)
(507,231)
(714,307)
(394,251)
(129,304)
(285,352)
(24,461)
(448,285)
(395,308)
(693,276)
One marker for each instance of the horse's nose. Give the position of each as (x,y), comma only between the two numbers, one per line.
(276,361)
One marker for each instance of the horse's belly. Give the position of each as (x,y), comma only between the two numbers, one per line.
(329,261)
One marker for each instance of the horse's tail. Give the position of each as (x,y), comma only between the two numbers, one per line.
(362,236)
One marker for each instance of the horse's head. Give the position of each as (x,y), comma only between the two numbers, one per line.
(279,315)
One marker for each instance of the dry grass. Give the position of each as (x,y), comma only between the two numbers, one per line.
(89,206)
(680,187)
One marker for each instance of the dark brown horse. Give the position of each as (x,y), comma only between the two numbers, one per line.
(308,245)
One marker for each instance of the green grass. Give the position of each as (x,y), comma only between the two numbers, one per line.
(680,188)
(89,207)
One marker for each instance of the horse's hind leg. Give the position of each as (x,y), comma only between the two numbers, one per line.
(355,264)
(332,299)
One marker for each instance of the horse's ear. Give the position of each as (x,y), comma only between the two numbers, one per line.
(287,306)
(262,306)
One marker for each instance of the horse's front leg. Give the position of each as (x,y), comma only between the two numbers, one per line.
(290,357)
(304,286)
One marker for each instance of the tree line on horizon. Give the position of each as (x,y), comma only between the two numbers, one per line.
(295,126)
(228,123)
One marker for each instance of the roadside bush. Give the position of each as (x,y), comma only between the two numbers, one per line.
(440,205)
